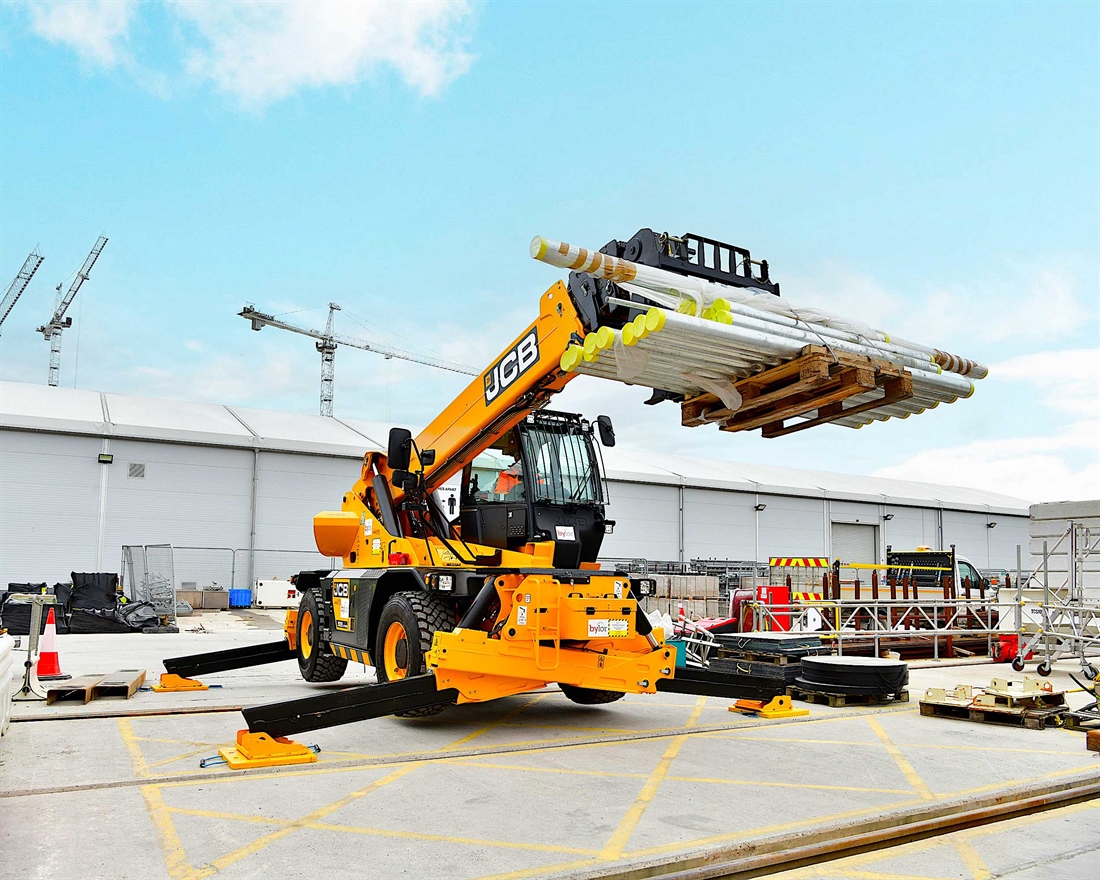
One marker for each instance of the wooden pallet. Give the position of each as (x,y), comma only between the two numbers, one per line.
(818,380)
(840,700)
(1016,716)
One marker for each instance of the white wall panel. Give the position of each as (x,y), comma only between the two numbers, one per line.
(719,525)
(647,521)
(906,530)
(193,496)
(969,534)
(791,526)
(49,506)
(292,488)
(1003,540)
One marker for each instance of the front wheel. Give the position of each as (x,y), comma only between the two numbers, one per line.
(1043,668)
(314,662)
(405,629)
(589,696)
(1018,663)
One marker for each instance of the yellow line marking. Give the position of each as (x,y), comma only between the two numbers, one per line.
(806,785)
(176,742)
(614,847)
(903,764)
(473,762)
(492,725)
(379,832)
(444,838)
(544,869)
(971,859)
(846,742)
(255,846)
(175,858)
(182,757)
(236,817)
(1067,771)
(129,741)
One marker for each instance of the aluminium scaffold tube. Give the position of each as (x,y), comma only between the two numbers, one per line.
(666,355)
(765,307)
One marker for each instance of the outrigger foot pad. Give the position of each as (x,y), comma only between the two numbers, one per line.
(348,705)
(777,707)
(264,750)
(171,683)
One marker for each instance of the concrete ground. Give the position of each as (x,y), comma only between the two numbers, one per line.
(523,787)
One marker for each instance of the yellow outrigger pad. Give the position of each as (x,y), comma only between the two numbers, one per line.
(171,683)
(262,750)
(777,707)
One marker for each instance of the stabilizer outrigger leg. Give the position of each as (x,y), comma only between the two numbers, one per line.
(348,705)
(181,671)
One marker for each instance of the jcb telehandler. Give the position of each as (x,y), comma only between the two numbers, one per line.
(507,595)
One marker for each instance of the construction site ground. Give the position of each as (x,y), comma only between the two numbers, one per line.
(531,786)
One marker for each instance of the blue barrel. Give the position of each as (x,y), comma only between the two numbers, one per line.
(240,598)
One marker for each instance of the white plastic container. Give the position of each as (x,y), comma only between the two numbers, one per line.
(275,593)
(7,680)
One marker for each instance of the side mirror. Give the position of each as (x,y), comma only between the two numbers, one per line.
(400,449)
(427,457)
(607,430)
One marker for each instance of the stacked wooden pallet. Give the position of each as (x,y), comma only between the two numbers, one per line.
(1029,703)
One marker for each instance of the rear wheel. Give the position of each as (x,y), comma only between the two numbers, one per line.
(405,629)
(314,662)
(589,696)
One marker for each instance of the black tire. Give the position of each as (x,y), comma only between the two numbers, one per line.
(589,696)
(1043,668)
(418,612)
(1018,664)
(1090,672)
(318,664)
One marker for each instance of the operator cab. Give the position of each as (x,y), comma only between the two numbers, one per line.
(541,481)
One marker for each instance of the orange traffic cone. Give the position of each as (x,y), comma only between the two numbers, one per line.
(49,664)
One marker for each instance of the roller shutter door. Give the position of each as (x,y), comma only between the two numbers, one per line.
(853,542)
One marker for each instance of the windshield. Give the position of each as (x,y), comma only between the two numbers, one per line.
(566,470)
(496,476)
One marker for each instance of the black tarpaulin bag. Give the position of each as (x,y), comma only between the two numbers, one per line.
(92,590)
(96,621)
(137,615)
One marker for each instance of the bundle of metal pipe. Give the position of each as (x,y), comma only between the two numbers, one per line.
(705,298)
(691,341)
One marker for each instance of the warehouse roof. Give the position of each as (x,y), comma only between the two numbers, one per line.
(71,411)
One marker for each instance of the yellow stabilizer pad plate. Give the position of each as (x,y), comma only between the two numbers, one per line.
(777,707)
(171,683)
(261,750)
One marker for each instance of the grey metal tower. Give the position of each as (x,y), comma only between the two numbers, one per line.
(328,340)
(51,330)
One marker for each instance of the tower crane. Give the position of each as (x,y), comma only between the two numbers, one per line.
(19,283)
(51,330)
(328,340)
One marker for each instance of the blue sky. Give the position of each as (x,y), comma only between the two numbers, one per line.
(931,168)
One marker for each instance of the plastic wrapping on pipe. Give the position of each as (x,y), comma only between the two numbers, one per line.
(669,290)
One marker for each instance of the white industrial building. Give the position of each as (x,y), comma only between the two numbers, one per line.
(83,473)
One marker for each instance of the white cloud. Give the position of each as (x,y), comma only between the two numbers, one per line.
(97,30)
(1032,468)
(1017,303)
(263,51)
(1068,380)
(1062,465)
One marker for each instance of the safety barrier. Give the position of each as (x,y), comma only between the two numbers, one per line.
(881,622)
